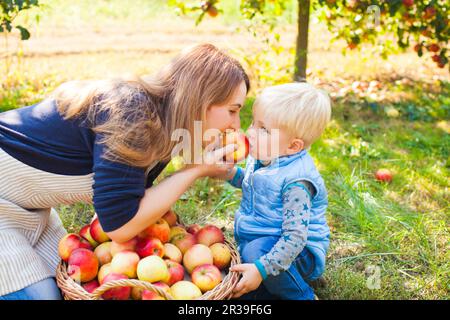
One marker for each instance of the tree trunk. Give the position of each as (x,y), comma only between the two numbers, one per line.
(302,40)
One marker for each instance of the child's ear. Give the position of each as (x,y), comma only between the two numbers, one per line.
(296,146)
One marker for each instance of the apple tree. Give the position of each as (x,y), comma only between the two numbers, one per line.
(391,25)
(9,10)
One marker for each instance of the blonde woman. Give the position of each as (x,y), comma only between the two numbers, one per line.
(104,142)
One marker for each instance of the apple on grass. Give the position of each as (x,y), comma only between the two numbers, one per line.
(103,252)
(153,269)
(153,295)
(150,246)
(197,255)
(82,265)
(160,230)
(185,290)
(172,252)
(176,271)
(221,255)
(125,262)
(86,235)
(97,232)
(209,234)
(206,277)
(384,175)
(69,243)
(184,241)
(117,293)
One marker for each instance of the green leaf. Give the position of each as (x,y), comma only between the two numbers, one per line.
(24,34)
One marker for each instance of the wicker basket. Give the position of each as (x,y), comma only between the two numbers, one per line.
(71,290)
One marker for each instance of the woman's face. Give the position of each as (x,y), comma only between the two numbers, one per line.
(226,117)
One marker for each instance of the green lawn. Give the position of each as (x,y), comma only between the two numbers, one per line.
(392,235)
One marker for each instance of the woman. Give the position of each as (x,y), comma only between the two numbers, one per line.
(104,142)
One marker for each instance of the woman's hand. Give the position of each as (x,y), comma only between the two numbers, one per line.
(213,164)
(251,278)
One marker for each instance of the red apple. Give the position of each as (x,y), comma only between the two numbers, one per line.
(221,255)
(433,47)
(184,241)
(172,252)
(160,229)
(153,269)
(430,12)
(384,175)
(209,234)
(171,218)
(176,271)
(136,293)
(129,245)
(103,252)
(152,295)
(149,246)
(408,3)
(118,293)
(69,243)
(197,255)
(91,285)
(206,277)
(86,235)
(193,228)
(242,142)
(82,265)
(125,262)
(97,232)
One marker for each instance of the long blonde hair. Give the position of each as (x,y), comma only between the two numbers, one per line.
(138,116)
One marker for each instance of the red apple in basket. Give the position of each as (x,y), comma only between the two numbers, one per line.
(69,243)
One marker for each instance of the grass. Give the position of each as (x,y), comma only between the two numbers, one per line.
(392,235)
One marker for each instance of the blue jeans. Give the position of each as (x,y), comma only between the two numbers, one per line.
(287,285)
(42,290)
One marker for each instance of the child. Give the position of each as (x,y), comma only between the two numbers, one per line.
(280,226)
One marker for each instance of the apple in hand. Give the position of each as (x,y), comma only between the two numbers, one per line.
(185,290)
(149,246)
(118,293)
(221,255)
(172,252)
(239,138)
(86,234)
(384,175)
(209,234)
(176,271)
(103,252)
(125,262)
(69,243)
(206,277)
(97,232)
(153,269)
(160,230)
(82,265)
(197,255)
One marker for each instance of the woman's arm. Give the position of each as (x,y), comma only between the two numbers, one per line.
(158,199)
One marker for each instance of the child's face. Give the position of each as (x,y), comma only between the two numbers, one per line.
(267,141)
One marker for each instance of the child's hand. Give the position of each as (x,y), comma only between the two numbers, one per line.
(251,278)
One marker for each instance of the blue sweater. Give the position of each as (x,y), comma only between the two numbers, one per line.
(40,137)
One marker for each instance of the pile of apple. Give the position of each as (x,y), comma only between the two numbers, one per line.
(183,262)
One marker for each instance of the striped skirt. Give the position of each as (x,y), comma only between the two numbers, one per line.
(30,228)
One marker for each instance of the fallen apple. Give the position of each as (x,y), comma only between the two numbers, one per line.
(384,175)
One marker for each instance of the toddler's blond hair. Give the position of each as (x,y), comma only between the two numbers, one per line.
(300,108)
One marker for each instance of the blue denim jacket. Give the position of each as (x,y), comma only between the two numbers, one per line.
(260,212)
